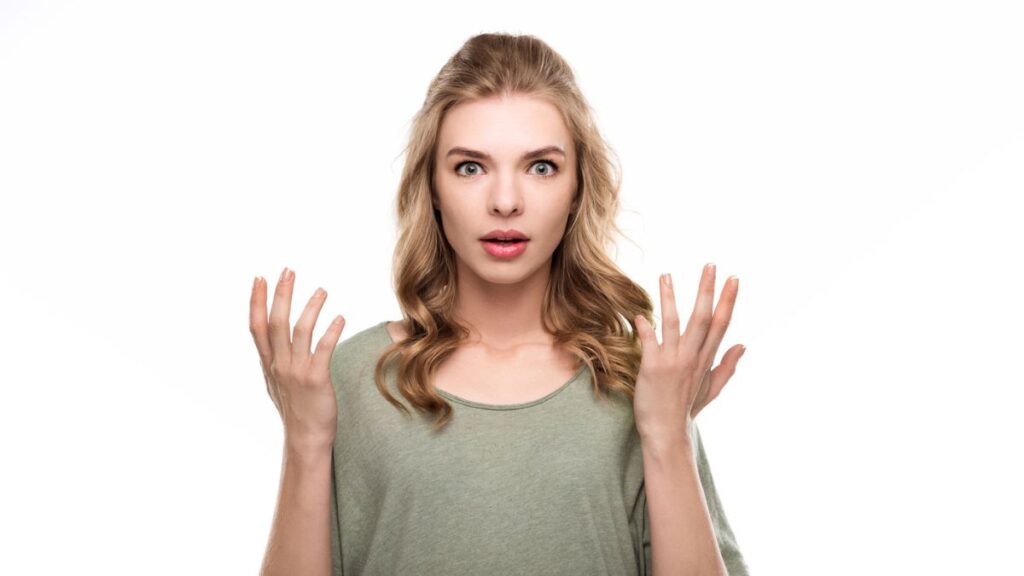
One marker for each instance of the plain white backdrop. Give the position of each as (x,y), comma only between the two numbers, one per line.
(857,165)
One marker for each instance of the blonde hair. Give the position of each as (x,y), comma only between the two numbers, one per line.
(589,305)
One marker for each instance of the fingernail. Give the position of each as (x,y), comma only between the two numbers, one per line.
(284,274)
(743,350)
(255,281)
(668,280)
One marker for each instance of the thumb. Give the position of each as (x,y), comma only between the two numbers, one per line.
(646,333)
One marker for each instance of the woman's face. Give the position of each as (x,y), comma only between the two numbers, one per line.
(492,173)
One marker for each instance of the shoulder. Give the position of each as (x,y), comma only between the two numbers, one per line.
(358,347)
(396,329)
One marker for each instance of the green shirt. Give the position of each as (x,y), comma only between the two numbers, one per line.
(551,486)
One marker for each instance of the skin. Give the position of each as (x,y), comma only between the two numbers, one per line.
(674,384)
(676,380)
(297,381)
(299,384)
(474,195)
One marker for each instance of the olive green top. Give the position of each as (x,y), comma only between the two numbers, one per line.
(551,486)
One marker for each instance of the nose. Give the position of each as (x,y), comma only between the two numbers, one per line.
(505,198)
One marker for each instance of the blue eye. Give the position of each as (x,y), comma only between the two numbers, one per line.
(549,172)
(461,164)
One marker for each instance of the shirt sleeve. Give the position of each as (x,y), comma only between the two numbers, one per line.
(727,545)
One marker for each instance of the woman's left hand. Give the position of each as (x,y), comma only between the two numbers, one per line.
(676,381)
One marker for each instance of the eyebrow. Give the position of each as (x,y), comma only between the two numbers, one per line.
(528,156)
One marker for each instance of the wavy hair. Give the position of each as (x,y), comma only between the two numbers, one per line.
(589,304)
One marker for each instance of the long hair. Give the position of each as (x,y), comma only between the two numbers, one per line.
(589,305)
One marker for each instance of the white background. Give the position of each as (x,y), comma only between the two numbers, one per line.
(857,165)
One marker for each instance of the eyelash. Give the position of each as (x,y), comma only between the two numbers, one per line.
(461,164)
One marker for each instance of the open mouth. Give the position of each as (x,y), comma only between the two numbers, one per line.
(505,249)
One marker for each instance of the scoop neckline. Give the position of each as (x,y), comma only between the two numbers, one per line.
(383,328)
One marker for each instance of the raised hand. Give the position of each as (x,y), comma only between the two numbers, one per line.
(676,380)
(298,383)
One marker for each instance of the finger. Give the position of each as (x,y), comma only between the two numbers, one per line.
(258,328)
(303,333)
(258,320)
(719,377)
(280,337)
(721,320)
(669,315)
(321,361)
(700,319)
(648,340)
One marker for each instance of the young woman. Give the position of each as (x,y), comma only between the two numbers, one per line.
(523,417)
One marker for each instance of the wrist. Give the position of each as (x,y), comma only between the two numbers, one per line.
(656,443)
(308,447)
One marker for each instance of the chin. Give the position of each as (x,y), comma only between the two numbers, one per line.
(510,272)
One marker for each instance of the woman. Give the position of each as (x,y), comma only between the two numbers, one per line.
(544,429)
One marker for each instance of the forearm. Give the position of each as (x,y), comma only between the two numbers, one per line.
(300,535)
(683,539)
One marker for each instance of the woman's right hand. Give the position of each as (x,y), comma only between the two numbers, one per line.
(299,383)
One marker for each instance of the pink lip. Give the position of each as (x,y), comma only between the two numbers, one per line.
(505,235)
(504,251)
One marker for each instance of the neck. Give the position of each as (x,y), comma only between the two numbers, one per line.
(502,316)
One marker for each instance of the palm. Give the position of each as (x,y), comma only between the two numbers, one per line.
(676,380)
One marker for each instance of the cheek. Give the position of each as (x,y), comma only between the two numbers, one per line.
(553,230)
(458,224)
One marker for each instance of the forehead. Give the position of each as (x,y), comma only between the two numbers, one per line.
(503,125)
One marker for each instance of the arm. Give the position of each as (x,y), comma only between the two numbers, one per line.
(674,383)
(303,392)
(683,538)
(300,535)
